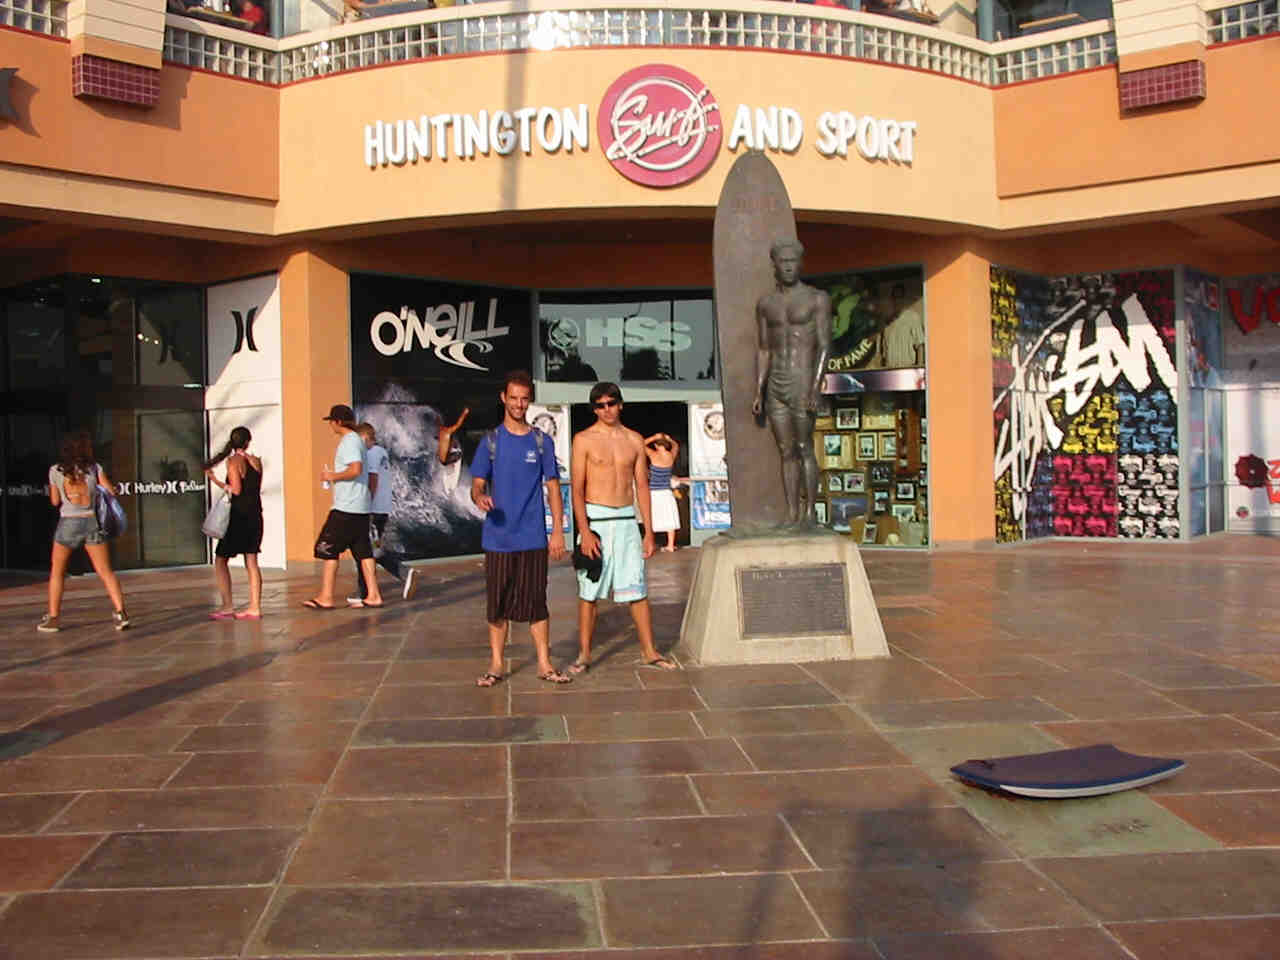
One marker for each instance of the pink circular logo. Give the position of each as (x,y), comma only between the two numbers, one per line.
(659,125)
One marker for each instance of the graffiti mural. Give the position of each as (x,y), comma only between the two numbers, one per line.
(1084,410)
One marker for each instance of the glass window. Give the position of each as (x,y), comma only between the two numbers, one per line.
(1012,18)
(170,337)
(36,325)
(627,337)
(31,446)
(167,488)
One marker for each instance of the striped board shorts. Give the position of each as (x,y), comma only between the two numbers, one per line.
(516,586)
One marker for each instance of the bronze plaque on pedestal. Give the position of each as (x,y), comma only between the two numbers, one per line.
(792,601)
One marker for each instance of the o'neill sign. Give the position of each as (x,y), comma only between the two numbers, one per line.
(659,126)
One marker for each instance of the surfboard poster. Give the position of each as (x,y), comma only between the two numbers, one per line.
(753,213)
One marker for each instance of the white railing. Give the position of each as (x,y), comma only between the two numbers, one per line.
(1241,20)
(38,16)
(510,25)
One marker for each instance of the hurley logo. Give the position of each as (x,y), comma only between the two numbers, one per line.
(244,329)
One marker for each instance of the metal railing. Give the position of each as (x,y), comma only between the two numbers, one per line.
(499,27)
(1242,20)
(39,16)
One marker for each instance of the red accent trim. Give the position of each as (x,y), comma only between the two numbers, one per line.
(1056,76)
(230,76)
(34,33)
(1239,40)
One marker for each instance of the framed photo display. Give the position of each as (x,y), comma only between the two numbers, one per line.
(904,512)
(820,512)
(880,501)
(888,446)
(866,446)
(848,418)
(905,490)
(834,484)
(853,482)
(881,473)
(869,533)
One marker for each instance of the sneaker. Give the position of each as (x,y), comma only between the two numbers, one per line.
(408,583)
(49,624)
(120,618)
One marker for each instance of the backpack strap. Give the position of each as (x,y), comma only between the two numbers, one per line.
(491,438)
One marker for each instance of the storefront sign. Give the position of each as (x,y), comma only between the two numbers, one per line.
(659,126)
(166,488)
(405,328)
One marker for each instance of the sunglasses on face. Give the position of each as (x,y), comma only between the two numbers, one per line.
(604,404)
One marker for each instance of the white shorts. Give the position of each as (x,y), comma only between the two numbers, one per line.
(666,512)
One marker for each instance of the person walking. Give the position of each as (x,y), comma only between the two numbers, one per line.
(73,489)
(244,529)
(517,461)
(610,482)
(377,465)
(662,450)
(347,526)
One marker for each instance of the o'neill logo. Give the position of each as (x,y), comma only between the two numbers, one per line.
(447,330)
(659,125)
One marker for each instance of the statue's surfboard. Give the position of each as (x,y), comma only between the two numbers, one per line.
(754,212)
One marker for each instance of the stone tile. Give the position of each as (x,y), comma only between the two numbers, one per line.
(805,950)
(41,775)
(820,751)
(572,699)
(28,812)
(295,710)
(752,696)
(1164,737)
(1236,700)
(1082,704)
(1245,938)
(604,798)
(188,858)
(1164,886)
(1076,943)
(422,771)
(132,923)
(38,863)
(629,848)
(380,920)
(59,683)
(637,759)
(392,703)
(114,741)
(1243,819)
(992,665)
(20,712)
(429,730)
(267,737)
(1269,722)
(973,897)
(729,723)
(1195,673)
(864,788)
(942,713)
(739,675)
(189,809)
(892,679)
(453,671)
(741,909)
(633,726)
(252,769)
(873,839)
(403,841)
(1219,772)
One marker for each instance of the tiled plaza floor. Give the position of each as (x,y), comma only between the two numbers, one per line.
(322,785)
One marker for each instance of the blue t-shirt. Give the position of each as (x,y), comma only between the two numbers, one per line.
(350,496)
(517,520)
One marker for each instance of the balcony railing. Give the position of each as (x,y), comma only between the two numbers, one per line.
(749,24)
(1241,20)
(38,16)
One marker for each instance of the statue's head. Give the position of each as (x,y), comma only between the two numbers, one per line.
(787,255)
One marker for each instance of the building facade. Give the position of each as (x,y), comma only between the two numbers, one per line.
(1053,254)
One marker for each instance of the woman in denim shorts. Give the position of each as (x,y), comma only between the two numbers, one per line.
(73,488)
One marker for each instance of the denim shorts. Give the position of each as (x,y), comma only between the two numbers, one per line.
(78,532)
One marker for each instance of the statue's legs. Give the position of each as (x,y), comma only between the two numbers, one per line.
(784,432)
(803,423)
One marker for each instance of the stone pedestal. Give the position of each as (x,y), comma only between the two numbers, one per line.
(781,598)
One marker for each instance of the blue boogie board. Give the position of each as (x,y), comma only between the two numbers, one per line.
(1077,772)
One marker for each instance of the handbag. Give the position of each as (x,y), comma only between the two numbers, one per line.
(218,518)
(112,520)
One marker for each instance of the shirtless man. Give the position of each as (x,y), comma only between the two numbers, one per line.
(793,347)
(610,480)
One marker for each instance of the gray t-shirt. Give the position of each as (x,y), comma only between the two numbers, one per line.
(83,488)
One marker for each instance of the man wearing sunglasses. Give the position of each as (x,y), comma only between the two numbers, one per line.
(610,483)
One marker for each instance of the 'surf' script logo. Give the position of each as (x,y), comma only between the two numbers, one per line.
(659,125)
(447,330)
(6,105)
(244,329)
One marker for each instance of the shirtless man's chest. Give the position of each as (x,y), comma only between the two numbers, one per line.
(611,463)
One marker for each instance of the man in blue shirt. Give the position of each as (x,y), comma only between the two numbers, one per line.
(518,461)
(347,526)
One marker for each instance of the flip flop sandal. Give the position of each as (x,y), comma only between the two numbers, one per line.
(312,605)
(222,615)
(245,615)
(554,677)
(661,663)
(578,667)
(489,680)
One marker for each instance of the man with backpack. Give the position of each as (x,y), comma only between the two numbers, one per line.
(516,461)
